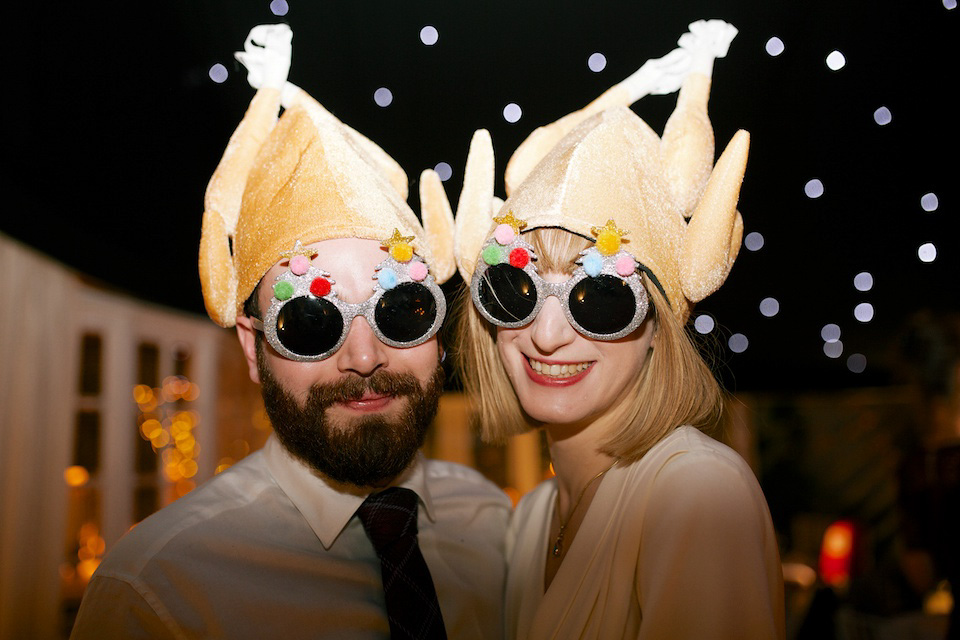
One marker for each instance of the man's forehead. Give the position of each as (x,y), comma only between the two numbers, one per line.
(337,254)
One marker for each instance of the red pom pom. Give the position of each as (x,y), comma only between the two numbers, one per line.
(320,287)
(519,258)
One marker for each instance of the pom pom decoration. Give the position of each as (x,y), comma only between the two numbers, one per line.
(492,254)
(625,266)
(504,234)
(387,278)
(519,258)
(609,238)
(592,264)
(417,271)
(320,287)
(282,290)
(399,246)
(299,265)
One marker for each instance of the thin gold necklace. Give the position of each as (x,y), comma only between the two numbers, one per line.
(558,544)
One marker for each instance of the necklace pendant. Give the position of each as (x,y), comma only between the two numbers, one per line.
(558,545)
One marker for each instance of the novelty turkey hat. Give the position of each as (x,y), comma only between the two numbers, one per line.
(612,166)
(305,177)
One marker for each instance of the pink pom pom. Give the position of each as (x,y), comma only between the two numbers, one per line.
(504,234)
(417,271)
(625,266)
(299,265)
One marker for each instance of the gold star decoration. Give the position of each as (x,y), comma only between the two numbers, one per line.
(399,246)
(609,238)
(515,223)
(298,250)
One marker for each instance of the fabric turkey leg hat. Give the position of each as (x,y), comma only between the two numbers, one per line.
(678,210)
(306,177)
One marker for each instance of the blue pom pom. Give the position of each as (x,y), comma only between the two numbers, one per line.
(387,278)
(592,264)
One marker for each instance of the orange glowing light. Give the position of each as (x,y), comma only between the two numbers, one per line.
(76,476)
(142,394)
(85,568)
(188,468)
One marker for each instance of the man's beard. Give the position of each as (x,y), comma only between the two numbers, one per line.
(365,451)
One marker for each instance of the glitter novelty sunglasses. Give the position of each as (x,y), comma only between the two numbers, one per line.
(307,322)
(604,299)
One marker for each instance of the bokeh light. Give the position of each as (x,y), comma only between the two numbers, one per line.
(76,476)
(769,307)
(738,343)
(218,73)
(836,61)
(929,202)
(753,241)
(774,46)
(704,323)
(512,112)
(863,281)
(882,116)
(830,332)
(863,312)
(833,349)
(429,35)
(813,188)
(857,363)
(927,252)
(279,7)
(444,170)
(383,97)
(949,4)
(597,62)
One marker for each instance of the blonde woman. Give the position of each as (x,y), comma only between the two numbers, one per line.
(581,283)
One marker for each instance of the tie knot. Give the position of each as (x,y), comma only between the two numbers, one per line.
(389,516)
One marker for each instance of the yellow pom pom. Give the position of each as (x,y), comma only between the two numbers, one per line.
(400,247)
(401,252)
(609,238)
(608,243)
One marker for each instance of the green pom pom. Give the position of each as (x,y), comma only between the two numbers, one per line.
(493,254)
(282,290)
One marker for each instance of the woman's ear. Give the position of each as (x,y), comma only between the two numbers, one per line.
(247,336)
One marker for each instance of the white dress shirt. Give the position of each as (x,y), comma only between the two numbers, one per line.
(267,549)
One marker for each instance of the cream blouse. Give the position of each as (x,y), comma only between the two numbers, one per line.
(677,545)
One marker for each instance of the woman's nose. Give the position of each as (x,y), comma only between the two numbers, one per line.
(550,329)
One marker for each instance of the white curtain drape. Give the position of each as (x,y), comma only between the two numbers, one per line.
(38,378)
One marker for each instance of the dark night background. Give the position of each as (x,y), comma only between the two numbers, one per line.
(118,126)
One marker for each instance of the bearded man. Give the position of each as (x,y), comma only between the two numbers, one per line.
(338,527)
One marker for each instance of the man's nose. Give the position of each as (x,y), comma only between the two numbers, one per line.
(362,352)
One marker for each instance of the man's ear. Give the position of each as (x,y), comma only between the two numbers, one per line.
(247,336)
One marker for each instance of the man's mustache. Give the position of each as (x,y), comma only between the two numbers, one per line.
(353,387)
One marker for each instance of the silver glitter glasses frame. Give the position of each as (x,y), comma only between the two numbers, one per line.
(349,311)
(561,290)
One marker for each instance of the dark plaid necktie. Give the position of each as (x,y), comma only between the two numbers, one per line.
(390,519)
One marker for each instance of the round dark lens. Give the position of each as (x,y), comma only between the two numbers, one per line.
(603,304)
(406,312)
(309,326)
(507,293)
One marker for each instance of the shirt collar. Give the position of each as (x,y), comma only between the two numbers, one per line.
(328,509)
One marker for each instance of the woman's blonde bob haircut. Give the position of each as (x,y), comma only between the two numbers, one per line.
(674,386)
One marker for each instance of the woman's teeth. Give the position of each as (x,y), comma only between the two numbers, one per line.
(558,370)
